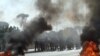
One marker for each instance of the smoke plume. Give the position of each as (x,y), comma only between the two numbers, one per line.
(92,31)
(19,41)
(49,9)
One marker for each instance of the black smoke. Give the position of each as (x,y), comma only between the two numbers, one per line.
(51,11)
(91,32)
(19,41)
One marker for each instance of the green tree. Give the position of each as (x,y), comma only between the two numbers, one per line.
(4,30)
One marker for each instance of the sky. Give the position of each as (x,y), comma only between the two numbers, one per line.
(9,9)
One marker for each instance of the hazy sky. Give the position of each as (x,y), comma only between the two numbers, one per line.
(10,8)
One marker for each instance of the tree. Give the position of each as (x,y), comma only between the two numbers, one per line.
(3,29)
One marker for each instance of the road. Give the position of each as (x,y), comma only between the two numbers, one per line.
(56,53)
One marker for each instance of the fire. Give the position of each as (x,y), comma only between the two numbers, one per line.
(8,53)
(90,49)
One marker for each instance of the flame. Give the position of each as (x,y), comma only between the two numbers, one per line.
(90,49)
(8,53)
